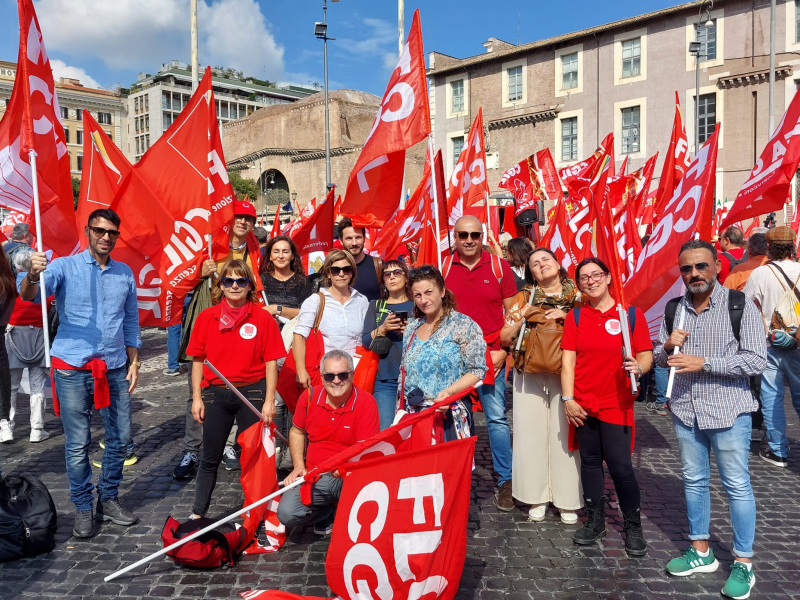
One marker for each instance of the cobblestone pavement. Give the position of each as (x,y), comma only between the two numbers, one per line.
(508,556)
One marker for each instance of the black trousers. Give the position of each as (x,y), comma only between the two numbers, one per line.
(605,441)
(222,407)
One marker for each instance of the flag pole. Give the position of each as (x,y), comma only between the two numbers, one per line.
(200,532)
(671,380)
(39,248)
(435,198)
(241,397)
(626,339)
(210,257)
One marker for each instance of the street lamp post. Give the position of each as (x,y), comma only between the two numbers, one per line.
(321,33)
(294,201)
(694,50)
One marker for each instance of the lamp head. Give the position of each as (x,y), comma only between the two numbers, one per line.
(320,30)
(694,47)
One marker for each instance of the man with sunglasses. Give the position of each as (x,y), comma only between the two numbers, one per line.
(332,418)
(484,289)
(95,360)
(368,268)
(711,404)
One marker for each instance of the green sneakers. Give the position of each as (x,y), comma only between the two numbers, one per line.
(692,562)
(740,582)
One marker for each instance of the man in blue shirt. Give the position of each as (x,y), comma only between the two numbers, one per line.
(95,356)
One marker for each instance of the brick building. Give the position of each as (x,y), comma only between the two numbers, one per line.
(569,91)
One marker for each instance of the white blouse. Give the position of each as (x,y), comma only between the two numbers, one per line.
(342,325)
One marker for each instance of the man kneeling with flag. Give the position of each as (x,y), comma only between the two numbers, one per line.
(333,418)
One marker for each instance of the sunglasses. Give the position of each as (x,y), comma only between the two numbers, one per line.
(475,235)
(331,377)
(335,271)
(423,270)
(393,273)
(702,267)
(229,281)
(594,277)
(99,232)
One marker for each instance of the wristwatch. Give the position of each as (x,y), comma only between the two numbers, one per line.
(706,366)
(280,309)
(565,398)
(136,363)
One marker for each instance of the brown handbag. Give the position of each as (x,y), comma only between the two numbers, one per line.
(543,343)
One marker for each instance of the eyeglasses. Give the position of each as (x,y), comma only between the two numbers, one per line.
(99,232)
(702,267)
(335,271)
(475,235)
(393,273)
(244,217)
(229,281)
(423,270)
(331,377)
(594,277)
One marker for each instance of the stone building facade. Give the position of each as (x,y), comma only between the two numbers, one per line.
(568,92)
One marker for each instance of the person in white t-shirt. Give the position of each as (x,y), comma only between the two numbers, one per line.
(766,285)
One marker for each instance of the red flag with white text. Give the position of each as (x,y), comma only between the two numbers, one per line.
(533,179)
(316,232)
(606,241)
(468,184)
(587,169)
(676,162)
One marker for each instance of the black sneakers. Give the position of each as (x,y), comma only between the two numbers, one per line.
(84,527)
(187,465)
(772,458)
(112,510)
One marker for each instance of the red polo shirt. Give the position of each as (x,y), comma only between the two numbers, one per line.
(478,293)
(725,263)
(602,386)
(331,430)
(239,353)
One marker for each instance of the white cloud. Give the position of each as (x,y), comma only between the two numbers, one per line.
(380,35)
(143,34)
(60,69)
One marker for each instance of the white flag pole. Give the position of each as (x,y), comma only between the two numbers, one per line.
(524,323)
(675,350)
(39,248)
(435,198)
(210,256)
(626,339)
(200,532)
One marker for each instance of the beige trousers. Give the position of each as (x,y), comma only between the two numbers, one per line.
(544,468)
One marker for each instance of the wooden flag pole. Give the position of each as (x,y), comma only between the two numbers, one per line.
(435,198)
(39,248)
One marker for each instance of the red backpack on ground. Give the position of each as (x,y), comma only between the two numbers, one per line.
(215,548)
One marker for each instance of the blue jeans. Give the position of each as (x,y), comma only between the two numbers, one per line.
(173,345)
(386,396)
(661,375)
(731,448)
(75,391)
(493,399)
(783,368)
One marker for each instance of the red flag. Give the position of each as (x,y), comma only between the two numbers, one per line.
(415,542)
(403,119)
(769,183)
(276,224)
(407,224)
(629,244)
(754,223)
(606,236)
(468,183)
(510,224)
(556,235)
(429,246)
(316,232)
(587,169)
(259,480)
(676,163)
(304,214)
(624,167)
(657,275)
(277,595)
(533,179)
(32,123)
(12,218)
(631,189)
(337,208)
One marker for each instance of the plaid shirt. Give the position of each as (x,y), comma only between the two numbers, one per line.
(715,399)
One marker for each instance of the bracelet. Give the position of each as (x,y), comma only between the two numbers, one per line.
(31,281)
(136,363)
(565,398)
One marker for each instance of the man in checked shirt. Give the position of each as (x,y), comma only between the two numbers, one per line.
(711,405)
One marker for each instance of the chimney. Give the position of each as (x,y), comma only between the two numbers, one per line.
(70,81)
(489,45)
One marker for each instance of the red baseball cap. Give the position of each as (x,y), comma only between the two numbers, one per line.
(244,208)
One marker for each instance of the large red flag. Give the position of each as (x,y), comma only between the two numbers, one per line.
(533,179)
(676,162)
(606,240)
(468,184)
(407,224)
(316,232)
(403,119)
(587,169)
(556,234)
(657,275)
(276,224)
(770,180)
(429,246)
(32,123)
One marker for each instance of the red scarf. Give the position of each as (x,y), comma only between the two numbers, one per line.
(230,317)
(102,396)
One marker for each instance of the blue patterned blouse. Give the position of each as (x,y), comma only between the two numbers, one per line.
(453,350)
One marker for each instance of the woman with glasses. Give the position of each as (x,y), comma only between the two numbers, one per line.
(383,333)
(444,351)
(545,470)
(342,321)
(285,283)
(598,401)
(243,342)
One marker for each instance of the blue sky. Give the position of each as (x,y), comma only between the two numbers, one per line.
(110,41)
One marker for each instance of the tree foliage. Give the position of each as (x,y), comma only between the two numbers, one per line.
(76,191)
(243,187)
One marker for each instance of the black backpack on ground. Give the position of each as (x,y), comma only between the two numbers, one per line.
(28,518)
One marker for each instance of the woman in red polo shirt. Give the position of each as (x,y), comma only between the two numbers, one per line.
(596,392)
(243,342)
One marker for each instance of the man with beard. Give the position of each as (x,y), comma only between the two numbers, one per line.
(721,344)
(368,268)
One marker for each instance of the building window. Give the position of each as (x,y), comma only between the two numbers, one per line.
(166,100)
(224,107)
(457,89)
(147,103)
(707,119)
(176,102)
(138,150)
(167,121)
(110,134)
(632,57)
(136,105)
(147,122)
(458,146)
(630,129)
(147,141)
(64,113)
(569,71)
(515,83)
(66,135)
(79,137)
(185,99)
(80,162)
(79,115)
(104,118)
(137,124)
(569,139)
(706,34)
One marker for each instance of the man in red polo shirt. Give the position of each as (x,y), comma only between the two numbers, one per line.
(333,418)
(484,288)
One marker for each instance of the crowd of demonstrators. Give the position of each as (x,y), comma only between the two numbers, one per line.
(517,252)
(756,257)
(770,286)
(721,345)
(598,400)
(733,251)
(243,342)
(369,267)
(543,304)
(384,325)
(262,236)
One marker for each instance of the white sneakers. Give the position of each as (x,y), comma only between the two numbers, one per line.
(538,512)
(6,432)
(569,517)
(38,435)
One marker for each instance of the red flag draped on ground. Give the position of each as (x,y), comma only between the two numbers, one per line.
(676,162)
(468,183)
(403,119)
(32,123)
(769,183)
(316,233)
(657,278)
